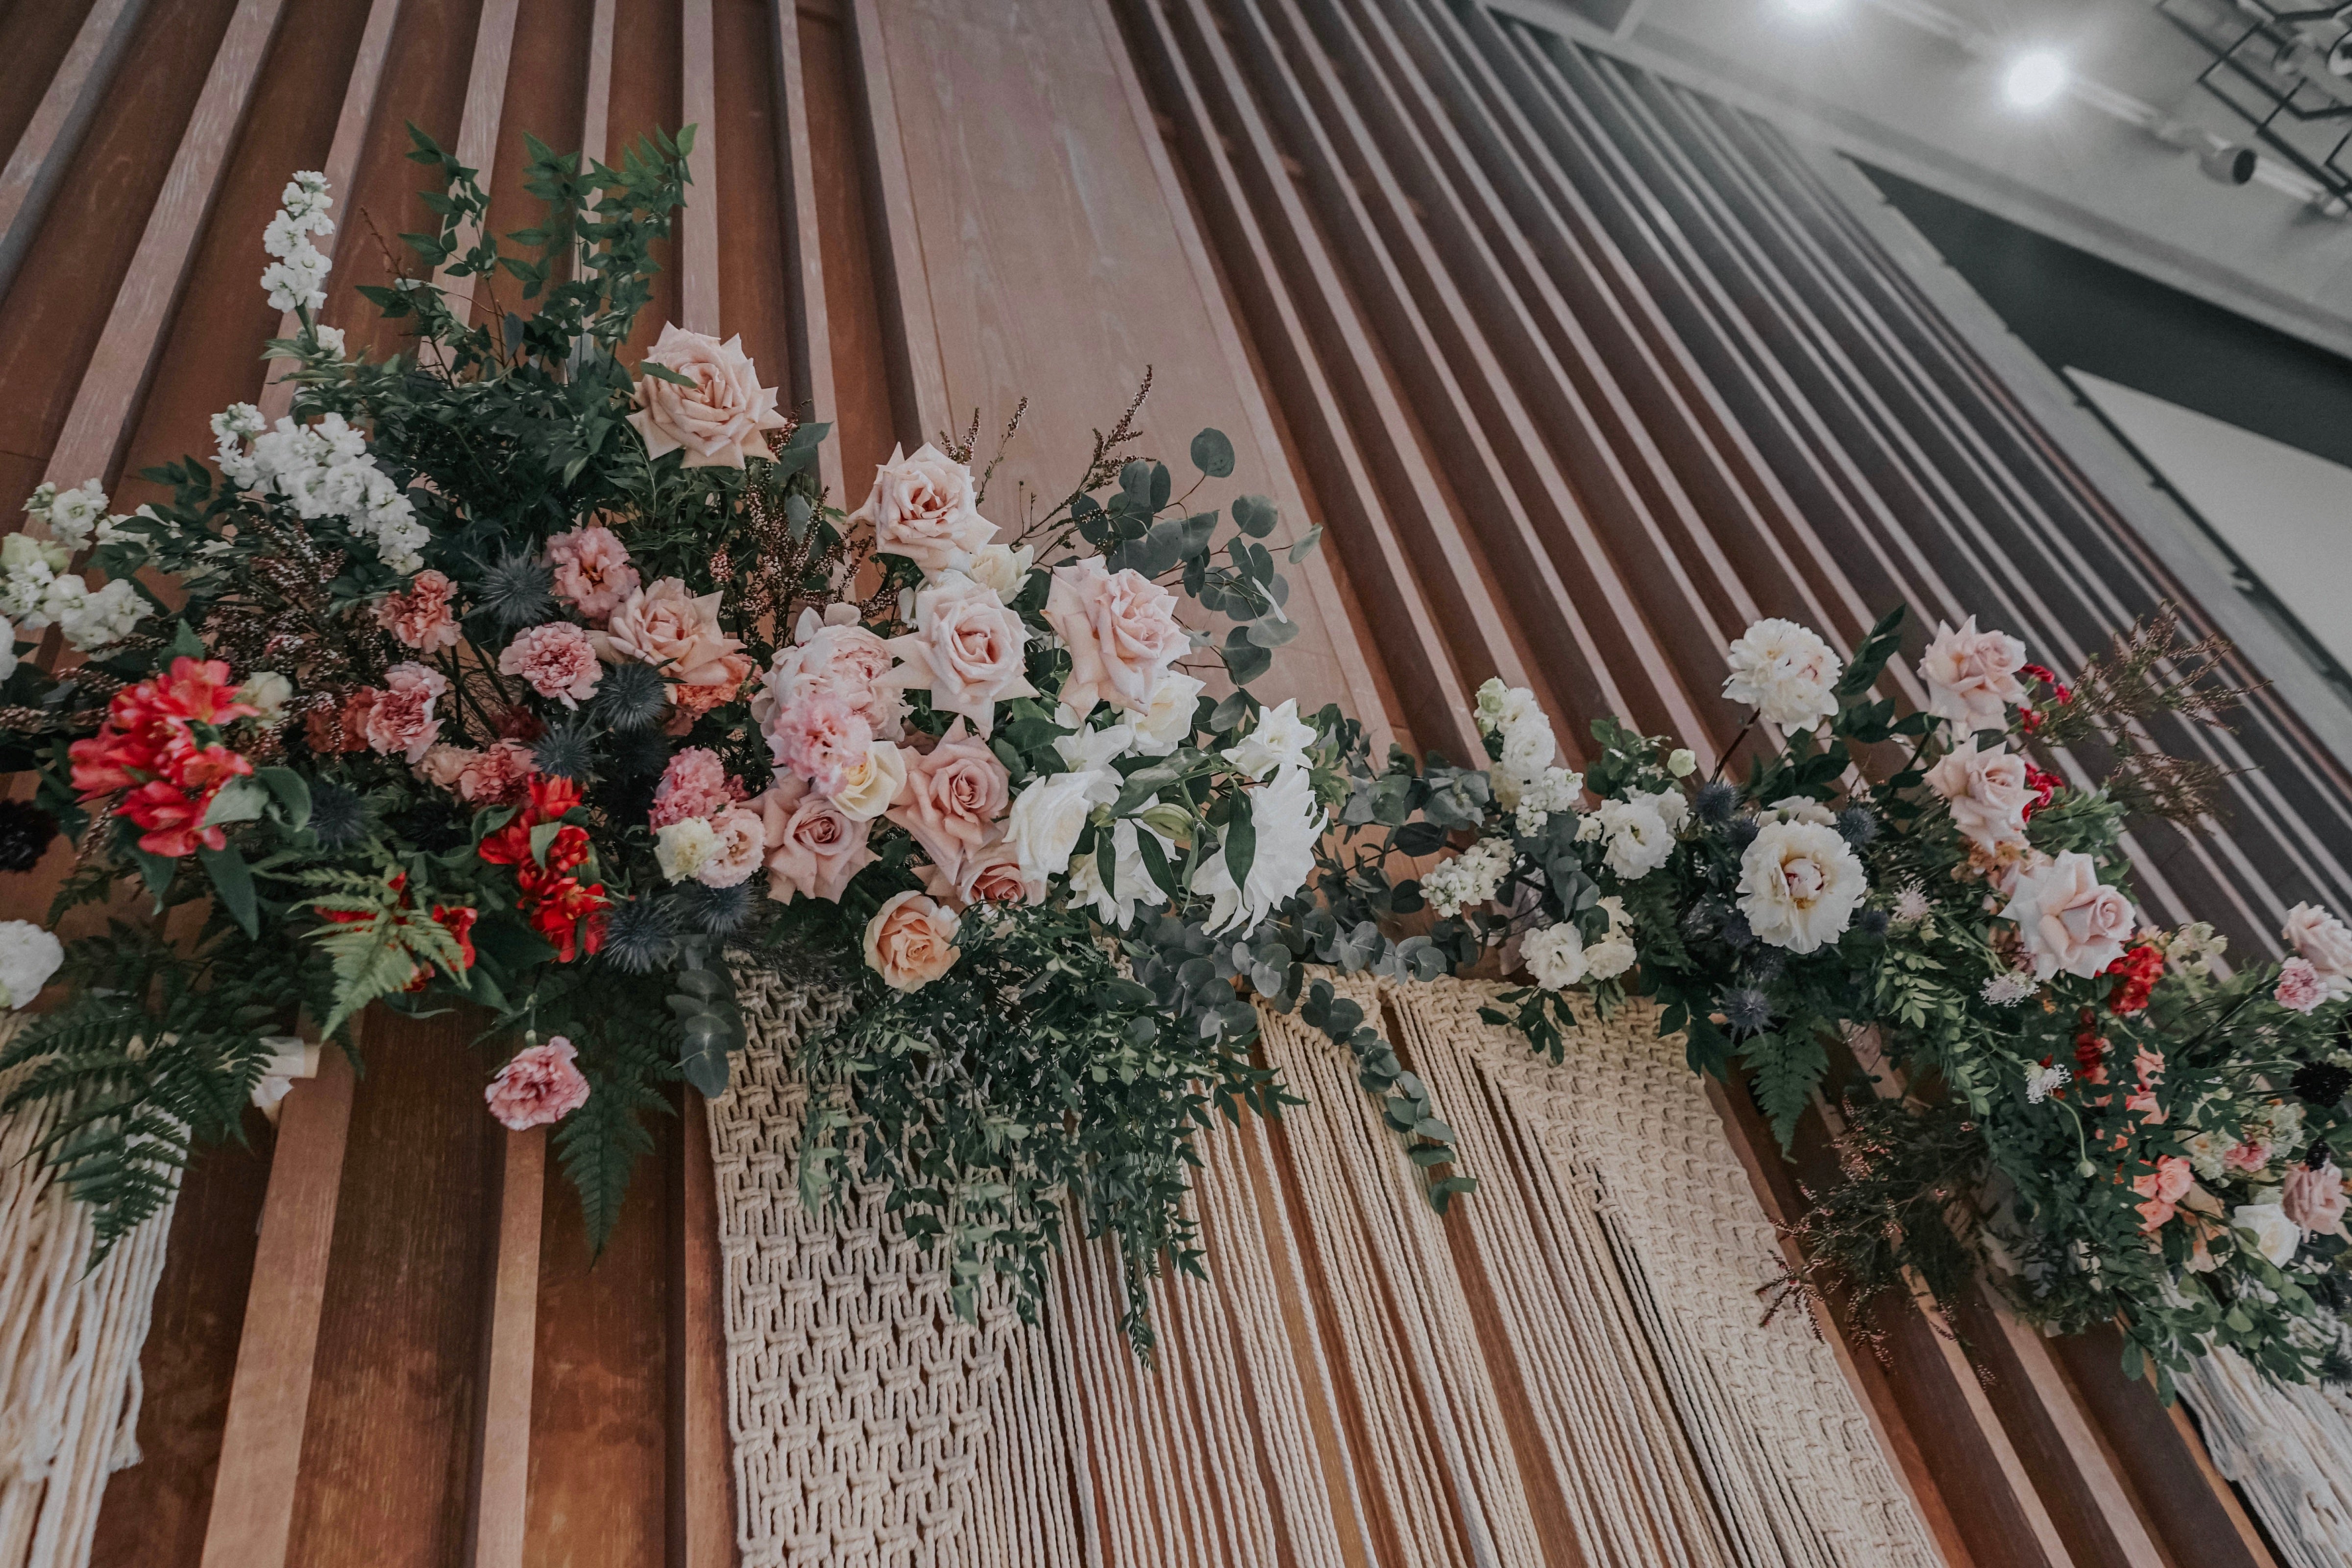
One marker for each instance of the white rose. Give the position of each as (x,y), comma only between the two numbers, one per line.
(1288,823)
(29,956)
(872,782)
(1004,567)
(1166,721)
(1971,676)
(269,692)
(1044,822)
(2321,938)
(1786,673)
(1682,762)
(1639,837)
(1528,747)
(1800,884)
(683,847)
(1280,739)
(2275,1235)
(1131,883)
(1554,956)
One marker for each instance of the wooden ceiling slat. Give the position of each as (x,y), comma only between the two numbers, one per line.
(49,139)
(809,323)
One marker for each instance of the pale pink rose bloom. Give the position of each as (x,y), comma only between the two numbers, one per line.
(910,942)
(812,848)
(841,661)
(2067,920)
(2299,988)
(420,619)
(820,739)
(966,650)
(2246,1158)
(592,573)
(720,419)
(1971,676)
(952,798)
(538,1086)
(1986,792)
(401,719)
(922,508)
(557,660)
(2319,936)
(678,634)
(2163,1188)
(688,703)
(1121,630)
(743,843)
(694,783)
(993,874)
(442,765)
(500,775)
(2315,1199)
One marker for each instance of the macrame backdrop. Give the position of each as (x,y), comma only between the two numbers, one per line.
(2290,1451)
(1570,1371)
(69,1341)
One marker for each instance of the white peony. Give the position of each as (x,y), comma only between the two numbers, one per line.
(1280,739)
(1614,953)
(1131,883)
(2275,1235)
(1288,821)
(1166,721)
(1800,884)
(1786,672)
(29,956)
(1554,956)
(1044,822)
(684,848)
(94,619)
(1640,831)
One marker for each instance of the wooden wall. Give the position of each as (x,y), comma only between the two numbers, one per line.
(1583,372)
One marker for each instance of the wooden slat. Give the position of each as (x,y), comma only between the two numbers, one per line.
(597,117)
(495,1525)
(919,387)
(477,128)
(108,396)
(699,237)
(50,139)
(701,1502)
(261,1443)
(810,325)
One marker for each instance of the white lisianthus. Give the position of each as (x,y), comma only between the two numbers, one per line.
(1131,883)
(1166,721)
(74,515)
(29,956)
(1470,877)
(1280,739)
(1640,831)
(1004,567)
(1614,953)
(1094,751)
(1786,672)
(268,692)
(1287,822)
(1044,822)
(94,619)
(684,848)
(1554,956)
(2275,1235)
(1800,884)
(872,782)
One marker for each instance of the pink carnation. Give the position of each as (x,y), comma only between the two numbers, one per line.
(420,619)
(743,844)
(499,777)
(557,660)
(400,718)
(694,784)
(820,739)
(2246,1158)
(591,571)
(2300,987)
(539,1085)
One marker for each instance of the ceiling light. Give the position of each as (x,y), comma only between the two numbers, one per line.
(1810,7)
(2035,79)
(2231,166)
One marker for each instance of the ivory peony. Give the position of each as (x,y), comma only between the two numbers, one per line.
(910,942)
(1971,676)
(1121,632)
(720,421)
(539,1085)
(1986,792)
(923,507)
(1786,672)
(29,956)
(966,650)
(2067,920)
(1800,884)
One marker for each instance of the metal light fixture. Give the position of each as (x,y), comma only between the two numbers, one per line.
(2034,78)
(2231,166)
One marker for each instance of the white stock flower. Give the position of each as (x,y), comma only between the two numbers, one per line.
(93,619)
(29,956)
(1640,831)
(1287,822)
(74,515)
(2275,1235)
(1786,672)
(1280,739)
(1166,721)
(1131,883)
(1556,790)
(1800,884)
(1045,820)
(685,846)
(1470,877)
(323,470)
(1554,956)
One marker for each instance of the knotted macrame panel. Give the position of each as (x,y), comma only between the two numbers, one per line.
(2288,1448)
(1569,1370)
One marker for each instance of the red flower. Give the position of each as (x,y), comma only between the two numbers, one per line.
(149,746)
(554,902)
(459,923)
(2043,785)
(2138,970)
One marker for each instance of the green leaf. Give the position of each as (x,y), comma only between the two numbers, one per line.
(293,794)
(239,800)
(1306,543)
(1255,516)
(1155,863)
(156,870)
(233,883)
(1244,660)
(1212,454)
(1241,848)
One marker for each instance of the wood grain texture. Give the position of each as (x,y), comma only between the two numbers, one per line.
(496,1516)
(699,224)
(68,65)
(478,124)
(863,401)
(807,320)
(701,1501)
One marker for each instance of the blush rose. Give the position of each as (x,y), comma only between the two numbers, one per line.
(923,507)
(1121,631)
(910,942)
(720,420)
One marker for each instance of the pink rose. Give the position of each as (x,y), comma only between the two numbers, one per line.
(420,619)
(2067,920)
(720,419)
(592,569)
(840,661)
(922,508)
(401,719)
(557,660)
(688,703)
(500,775)
(2315,1199)
(694,783)
(812,847)
(1971,676)
(2316,935)
(2246,1158)
(993,874)
(538,1086)
(966,650)
(910,942)
(2163,1188)
(952,798)
(1986,792)
(669,628)
(1121,631)
(820,739)
(742,836)
(2299,987)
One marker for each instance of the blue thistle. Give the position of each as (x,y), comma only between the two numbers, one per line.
(563,751)
(338,816)
(1858,825)
(631,695)
(1746,1010)
(1873,922)
(1715,803)
(1736,932)
(640,936)
(714,911)
(1768,965)
(517,590)
(1700,918)
(639,752)
(1742,833)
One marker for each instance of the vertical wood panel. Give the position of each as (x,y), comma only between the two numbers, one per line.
(864,403)
(59,56)
(807,315)
(699,224)
(700,1496)
(496,1511)
(647,76)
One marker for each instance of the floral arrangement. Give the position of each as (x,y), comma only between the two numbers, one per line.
(2099,1114)
(500,675)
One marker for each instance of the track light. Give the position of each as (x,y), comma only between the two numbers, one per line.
(2034,78)
(2231,166)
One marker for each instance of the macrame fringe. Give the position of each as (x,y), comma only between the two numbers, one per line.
(2288,1448)
(69,1343)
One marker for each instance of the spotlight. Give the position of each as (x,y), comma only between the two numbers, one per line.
(1810,7)
(2035,79)
(2231,166)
